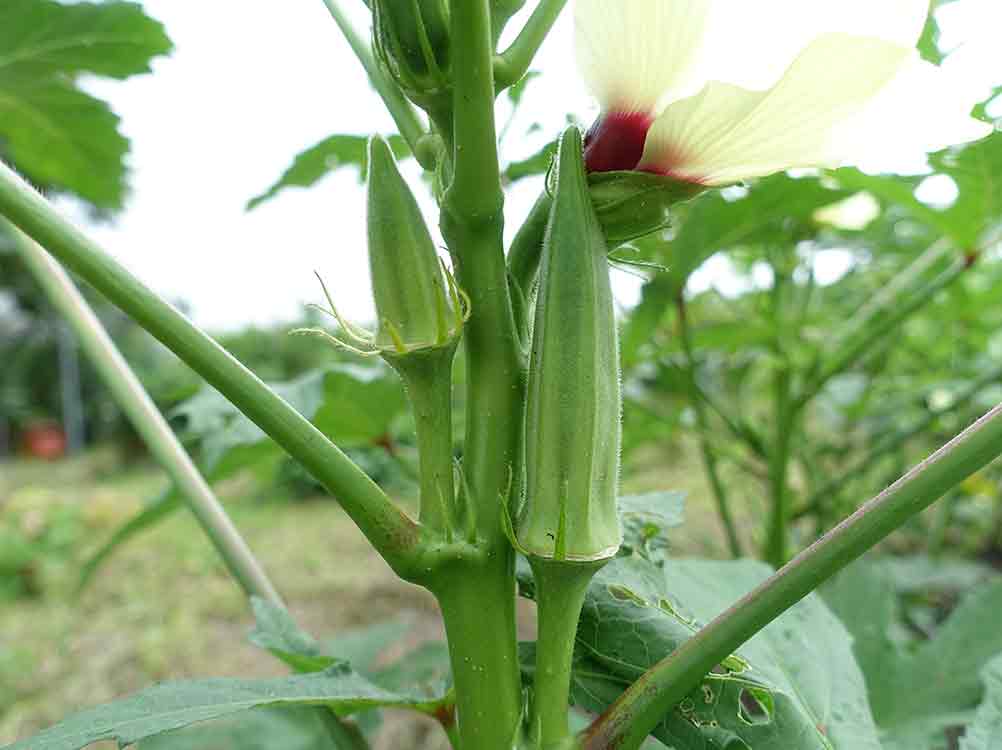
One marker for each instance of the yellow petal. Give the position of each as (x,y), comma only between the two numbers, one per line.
(725,133)
(633,52)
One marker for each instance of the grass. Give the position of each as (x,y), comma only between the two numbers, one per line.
(164,607)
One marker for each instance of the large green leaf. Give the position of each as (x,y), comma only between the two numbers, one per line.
(794,685)
(174,705)
(288,728)
(60,136)
(941,674)
(976,170)
(353,404)
(316,162)
(986,731)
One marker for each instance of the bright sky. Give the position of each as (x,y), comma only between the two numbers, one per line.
(251,84)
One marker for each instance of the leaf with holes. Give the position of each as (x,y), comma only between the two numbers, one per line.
(794,685)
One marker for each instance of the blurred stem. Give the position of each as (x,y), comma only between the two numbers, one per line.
(890,443)
(404,114)
(628,722)
(706,449)
(345,736)
(527,247)
(391,532)
(147,420)
(784,423)
(514,62)
(478,597)
(852,351)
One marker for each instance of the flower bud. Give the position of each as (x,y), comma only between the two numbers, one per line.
(573,420)
(414,308)
(412,40)
(631,205)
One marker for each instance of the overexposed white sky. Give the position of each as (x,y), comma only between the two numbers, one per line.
(251,84)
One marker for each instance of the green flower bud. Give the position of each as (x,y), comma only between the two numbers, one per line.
(412,40)
(416,310)
(631,205)
(573,420)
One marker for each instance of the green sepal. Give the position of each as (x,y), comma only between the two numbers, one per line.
(573,399)
(631,205)
(411,40)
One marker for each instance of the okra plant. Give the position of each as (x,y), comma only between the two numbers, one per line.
(633,649)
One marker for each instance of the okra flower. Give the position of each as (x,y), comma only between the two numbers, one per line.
(716,91)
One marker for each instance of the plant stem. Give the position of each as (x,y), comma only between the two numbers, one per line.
(401,110)
(708,454)
(345,736)
(527,247)
(478,599)
(147,420)
(428,378)
(560,593)
(850,353)
(392,533)
(775,551)
(890,443)
(514,62)
(630,719)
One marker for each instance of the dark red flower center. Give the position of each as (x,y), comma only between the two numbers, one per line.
(615,143)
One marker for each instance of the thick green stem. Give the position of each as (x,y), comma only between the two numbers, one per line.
(145,417)
(393,534)
(631,718)
(706,449)
(560,593)
(404,114)
(510,66)
(478,608)
(478,598)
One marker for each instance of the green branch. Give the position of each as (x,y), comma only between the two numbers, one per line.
(145,417)
(393,534)
(404,114)
(514,62)
(706,449)
(631,718)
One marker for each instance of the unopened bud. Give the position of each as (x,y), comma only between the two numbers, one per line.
(412,41)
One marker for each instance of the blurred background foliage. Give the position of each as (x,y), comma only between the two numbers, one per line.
(799,343)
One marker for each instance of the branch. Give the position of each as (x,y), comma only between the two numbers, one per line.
(145,417)
(627,723)
(392,533)
(514,62)
(401,110)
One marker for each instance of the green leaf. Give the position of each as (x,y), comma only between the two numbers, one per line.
(353,404)
(986,731)
(941,673)
(174,705)
(276,632)
(532,166)
(258,729)
(332,153)
(58,135)
(794,685)
(517,91)
(646,520)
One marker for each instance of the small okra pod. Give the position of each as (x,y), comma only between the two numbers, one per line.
(573,409)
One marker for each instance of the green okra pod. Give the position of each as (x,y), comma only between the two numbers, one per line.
(573,410)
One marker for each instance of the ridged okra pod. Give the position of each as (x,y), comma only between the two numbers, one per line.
(573,409)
